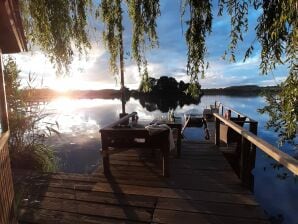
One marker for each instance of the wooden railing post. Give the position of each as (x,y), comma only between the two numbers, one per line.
(253,128)
(217,131)
(244,161)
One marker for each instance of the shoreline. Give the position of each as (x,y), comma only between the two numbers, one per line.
(48,94)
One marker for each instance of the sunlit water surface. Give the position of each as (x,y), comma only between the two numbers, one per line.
(79,144)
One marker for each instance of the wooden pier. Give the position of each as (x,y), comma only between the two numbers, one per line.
(202,188)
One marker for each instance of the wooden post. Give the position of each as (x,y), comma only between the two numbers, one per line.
(3,104)
(121,60)
(7,211)
(105,154)
(253,128)
(248,157)
(244,161)
(165,164)
(217,131)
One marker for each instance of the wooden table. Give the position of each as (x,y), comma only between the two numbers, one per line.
(119,137)
(124,138)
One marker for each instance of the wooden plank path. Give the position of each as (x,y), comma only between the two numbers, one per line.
(202,189)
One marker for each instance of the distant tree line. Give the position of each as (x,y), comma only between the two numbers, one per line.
(245,90)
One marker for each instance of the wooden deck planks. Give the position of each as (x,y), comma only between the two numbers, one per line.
(225,209)
(202,188)
(44,216)
(178,217)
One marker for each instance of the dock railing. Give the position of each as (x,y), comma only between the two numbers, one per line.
(222,108)
(249,142)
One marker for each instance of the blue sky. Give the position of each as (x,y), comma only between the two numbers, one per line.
(169,59)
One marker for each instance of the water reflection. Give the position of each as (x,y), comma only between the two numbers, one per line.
(165,103)
(78,148)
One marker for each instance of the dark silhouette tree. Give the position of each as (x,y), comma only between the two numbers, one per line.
(182,86)
(167,85)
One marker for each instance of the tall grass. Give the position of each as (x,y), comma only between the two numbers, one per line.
(27,136)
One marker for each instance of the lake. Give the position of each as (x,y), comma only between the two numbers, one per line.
(78,146)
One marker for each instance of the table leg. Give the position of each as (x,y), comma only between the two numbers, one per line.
(179,143)
(106,161)
(165,159)
(165,165)
(105,155)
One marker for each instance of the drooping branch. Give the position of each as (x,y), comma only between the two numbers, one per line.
(143,15)
(238,11)
(58,28)
(199,26)
(277,32)
(110,12)
(282,109)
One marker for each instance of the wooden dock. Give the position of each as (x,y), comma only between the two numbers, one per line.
(202,188)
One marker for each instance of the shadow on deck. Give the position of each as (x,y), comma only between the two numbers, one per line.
(202,189)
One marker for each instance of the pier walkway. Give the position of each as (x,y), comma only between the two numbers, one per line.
(202,188)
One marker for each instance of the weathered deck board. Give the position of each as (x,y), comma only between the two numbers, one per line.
(177,217)
(202,189)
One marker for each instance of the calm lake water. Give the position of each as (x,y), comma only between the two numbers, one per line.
(79,144)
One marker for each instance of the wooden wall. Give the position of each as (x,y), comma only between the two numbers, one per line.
(12,40)
(6,184)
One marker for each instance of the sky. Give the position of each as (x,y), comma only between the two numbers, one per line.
(92,71)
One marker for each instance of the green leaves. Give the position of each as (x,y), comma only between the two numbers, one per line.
(143,15)
(145,85)
(238,11)
(110,12)
(199,26)
(282,109)
(276,29)
(274,32)
(58,28)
